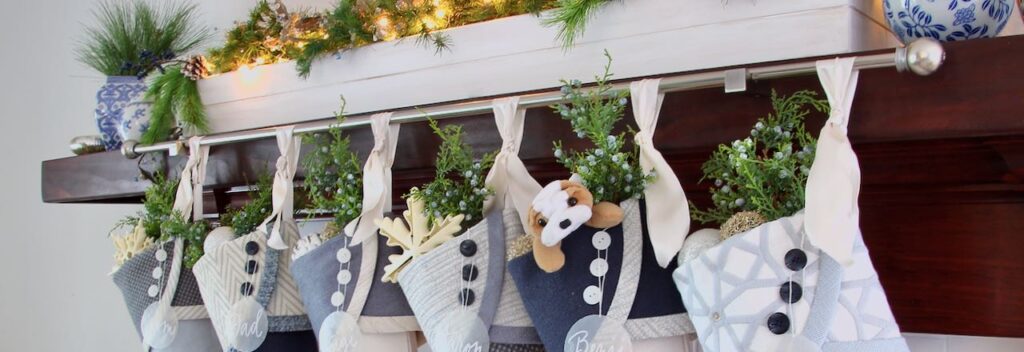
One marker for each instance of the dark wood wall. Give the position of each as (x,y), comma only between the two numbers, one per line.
(942,158)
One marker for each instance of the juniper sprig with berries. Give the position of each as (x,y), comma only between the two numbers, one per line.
(244,219)
(610,169)
(458,187)
(334,178)
(162,223)
(767,171)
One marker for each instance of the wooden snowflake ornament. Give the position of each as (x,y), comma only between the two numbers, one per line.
(417,240)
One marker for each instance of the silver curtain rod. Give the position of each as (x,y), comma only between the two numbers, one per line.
(922,57)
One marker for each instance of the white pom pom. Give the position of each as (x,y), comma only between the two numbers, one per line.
(217,237)
(698,242)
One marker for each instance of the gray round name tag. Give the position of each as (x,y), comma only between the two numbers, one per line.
(598,333)
(159,325)
(461,331)
(340,333)
(247,325)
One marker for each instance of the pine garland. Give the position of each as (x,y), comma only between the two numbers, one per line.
(571,17)
(610,173)
(244,219)
(266,37)
(766,172)
(334,181)
(354,23)
(458,186)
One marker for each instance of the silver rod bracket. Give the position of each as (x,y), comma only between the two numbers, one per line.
(922,56)
(176,149)
(128,149)
(735,80)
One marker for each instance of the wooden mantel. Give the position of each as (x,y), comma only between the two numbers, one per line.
(942,157)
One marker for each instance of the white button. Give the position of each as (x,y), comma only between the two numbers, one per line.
(598,267)
(344,255)
(161,255)
(592,295)
(153,290)
(337,299)
(602,240)
(158,272)
(344,277)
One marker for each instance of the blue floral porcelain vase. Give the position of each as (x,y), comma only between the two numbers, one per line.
(121,95)
(947,20)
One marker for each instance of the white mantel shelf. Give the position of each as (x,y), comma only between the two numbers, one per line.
(517,54)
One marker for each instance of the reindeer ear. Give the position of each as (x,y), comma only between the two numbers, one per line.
(576,178)
(605,214)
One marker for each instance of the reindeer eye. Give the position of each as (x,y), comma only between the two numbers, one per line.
(572,202)
(542,222)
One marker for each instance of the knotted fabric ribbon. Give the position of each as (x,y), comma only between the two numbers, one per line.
(188,201)
(376,179)
(668,213)
(189,195)
(283,191)
(833,184)
(508,177)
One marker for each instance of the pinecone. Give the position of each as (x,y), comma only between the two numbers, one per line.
(741,222)
(195,68)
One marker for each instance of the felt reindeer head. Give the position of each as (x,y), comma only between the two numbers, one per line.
(558,210)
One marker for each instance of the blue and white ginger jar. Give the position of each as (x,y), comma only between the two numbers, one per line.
(947,20)
(120,112)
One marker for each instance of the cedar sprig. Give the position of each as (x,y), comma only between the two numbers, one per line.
(244,219)
(162,223)
(132,38)
(158,202)
(334,180)
(176,101)
(458,186)
(767,171)
(610,169)
(192,232)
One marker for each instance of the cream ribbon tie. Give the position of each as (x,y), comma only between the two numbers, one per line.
(376,179)
(833,183)
(668,212)
(189,195)
(282,194)
(508,177)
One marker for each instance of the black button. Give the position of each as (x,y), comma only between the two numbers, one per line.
(796,259)
(466,297)
(778,323)
(791,292)
(252,248)
(467,248)
(246,289)
(251,267)
(470,272)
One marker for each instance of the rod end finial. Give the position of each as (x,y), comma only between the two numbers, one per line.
(128,149)
(923,56)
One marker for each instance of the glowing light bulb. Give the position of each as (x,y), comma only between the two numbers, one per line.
(440,13)
(429,22)
(383,21)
